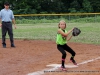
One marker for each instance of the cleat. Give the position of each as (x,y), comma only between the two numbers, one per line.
(63,68)
(73,61)
(12,45)
(4,45)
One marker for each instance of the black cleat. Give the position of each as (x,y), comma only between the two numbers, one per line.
(63,68)
(4,45)
(12,45)
(73,61)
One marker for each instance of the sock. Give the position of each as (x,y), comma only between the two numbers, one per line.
(63,61)
(72,57)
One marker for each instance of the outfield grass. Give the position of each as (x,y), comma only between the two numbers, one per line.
(48,31)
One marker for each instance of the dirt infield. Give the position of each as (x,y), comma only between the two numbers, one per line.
(33,55)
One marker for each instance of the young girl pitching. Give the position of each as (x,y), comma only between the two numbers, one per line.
(62,38)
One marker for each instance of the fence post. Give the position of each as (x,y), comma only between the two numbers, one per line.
(69,19)
(94,18)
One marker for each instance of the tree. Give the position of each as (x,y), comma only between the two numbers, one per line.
(75,6)
(87,6)
(95,5)
(52,6)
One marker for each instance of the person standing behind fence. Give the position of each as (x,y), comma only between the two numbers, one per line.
(6,19)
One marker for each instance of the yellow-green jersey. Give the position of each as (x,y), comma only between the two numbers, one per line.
(60,40)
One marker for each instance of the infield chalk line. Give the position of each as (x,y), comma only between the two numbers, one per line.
(55,66)
(88,61)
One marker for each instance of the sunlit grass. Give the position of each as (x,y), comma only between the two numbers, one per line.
(47,31)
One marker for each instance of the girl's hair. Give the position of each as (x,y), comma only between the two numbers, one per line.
(61,21)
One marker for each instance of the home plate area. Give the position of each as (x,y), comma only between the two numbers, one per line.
(59,65)
(56,67)
(52,68)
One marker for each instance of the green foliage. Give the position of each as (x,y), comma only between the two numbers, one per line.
(52,6)
(74,6)
(95,5)
(87,6)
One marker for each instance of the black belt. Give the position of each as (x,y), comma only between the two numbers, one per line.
(6,22)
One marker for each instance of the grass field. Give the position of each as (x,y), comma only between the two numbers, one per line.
(48,31)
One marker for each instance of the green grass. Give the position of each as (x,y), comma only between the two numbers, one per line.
(89,34)
(35,31)
(47,31)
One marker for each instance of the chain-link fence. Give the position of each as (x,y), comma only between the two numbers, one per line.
(48,18)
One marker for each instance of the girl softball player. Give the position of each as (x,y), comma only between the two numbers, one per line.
(62,38)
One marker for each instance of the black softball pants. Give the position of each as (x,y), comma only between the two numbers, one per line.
(63,48)
(7,26)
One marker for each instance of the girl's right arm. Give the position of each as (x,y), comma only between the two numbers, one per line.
(65,34)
